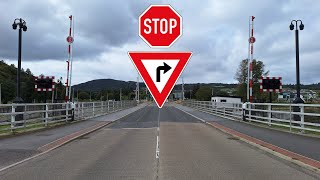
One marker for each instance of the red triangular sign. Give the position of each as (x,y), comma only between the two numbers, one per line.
(160,71)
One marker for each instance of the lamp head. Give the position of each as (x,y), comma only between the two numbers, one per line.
(24,28)
(14,26)
(301,27)
(291,26)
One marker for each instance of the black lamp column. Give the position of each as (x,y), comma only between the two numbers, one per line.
(298,99)
(22,26)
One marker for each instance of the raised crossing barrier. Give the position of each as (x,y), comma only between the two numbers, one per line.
(272,114)
(44,114)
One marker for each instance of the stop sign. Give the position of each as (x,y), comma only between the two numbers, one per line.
(160,26)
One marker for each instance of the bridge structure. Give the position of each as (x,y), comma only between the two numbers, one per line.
(183,140)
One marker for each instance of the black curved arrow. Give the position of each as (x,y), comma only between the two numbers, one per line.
(165,68)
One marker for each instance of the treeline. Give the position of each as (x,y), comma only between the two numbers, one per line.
(8,80)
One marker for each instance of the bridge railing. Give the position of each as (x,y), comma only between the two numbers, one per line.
(301,117)
(27,116)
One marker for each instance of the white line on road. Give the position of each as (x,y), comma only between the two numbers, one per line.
(158,137)
(157,148)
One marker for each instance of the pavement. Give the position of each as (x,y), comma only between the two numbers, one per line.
(126,149)
(304,145)
(17,148)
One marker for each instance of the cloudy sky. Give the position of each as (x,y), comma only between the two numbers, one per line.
(216,31)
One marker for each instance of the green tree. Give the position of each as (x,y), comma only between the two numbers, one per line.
(203,94)
(84,95)
(242,74)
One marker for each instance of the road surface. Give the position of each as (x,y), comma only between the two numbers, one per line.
(127,149)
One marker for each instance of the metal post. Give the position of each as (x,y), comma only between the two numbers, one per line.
(298,99)
(297,63)
(81,109)
(302,118)
(0,94)
(269,114)
(47,115)
(13,117)
(249,108)
(93,109)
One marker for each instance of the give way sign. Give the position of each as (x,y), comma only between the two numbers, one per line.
(160,26)
(160,71)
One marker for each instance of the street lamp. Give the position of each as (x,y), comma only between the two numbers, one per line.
(301,27)
(22,26)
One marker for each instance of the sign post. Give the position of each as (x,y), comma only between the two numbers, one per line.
(160,26)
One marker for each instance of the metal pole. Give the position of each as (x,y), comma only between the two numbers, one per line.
(18,98)
(251,60)
(52,92)
(297,64)
(182,89)
(71,53)
(68,64)
(270,97)
(120,94)
(0,94)
(248,75)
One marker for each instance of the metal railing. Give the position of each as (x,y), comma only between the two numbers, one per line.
(302,117)
(18,116)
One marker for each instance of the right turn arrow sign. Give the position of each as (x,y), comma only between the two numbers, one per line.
(165,68)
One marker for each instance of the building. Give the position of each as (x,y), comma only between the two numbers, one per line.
(226,99)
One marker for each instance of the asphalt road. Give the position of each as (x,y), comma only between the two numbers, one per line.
(16,148)
(306,146)
(127,149)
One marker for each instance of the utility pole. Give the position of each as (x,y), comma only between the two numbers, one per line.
(90,96)
(182,89)
(137,89)
(120,94)
(190,93)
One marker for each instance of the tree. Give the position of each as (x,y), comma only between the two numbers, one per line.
(84,95)
(242,75)
(203,94)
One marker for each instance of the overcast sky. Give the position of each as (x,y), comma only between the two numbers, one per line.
(215,31)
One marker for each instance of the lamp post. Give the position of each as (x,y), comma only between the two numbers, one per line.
(22,26)
(301,27)
(0,93)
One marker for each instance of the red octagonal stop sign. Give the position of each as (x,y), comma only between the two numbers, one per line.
(160,26)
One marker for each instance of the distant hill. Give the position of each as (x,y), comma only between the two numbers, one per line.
(112,84)
(106,84)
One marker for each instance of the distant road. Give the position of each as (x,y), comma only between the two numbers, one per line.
(189,149)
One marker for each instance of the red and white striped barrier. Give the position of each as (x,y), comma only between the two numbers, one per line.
(70,41)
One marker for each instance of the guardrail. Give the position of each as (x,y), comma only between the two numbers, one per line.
(302,117)
(18,116)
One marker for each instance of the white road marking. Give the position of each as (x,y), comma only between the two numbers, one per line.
(157,148)
(158,138)
(134,128)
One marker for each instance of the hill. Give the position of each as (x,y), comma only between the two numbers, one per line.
(105,84)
